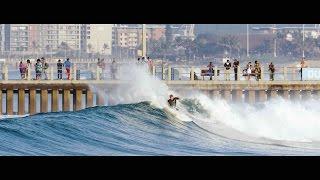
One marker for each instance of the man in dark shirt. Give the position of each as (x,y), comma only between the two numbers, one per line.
(227,65)
(235,69)
(59,68)
(272,70)
(172,101)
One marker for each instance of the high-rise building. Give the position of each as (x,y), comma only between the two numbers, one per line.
(126,36)
(1,37)
(99,39)
(60,36)
(16,37)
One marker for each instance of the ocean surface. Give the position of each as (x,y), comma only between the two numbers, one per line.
(140,123)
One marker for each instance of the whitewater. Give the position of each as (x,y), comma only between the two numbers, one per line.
(137,124)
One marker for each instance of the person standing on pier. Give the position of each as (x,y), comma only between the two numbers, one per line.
(59,68)
(272,70)
(257,70)
(28,68)
(235,69)
(113,69)
(22,70)
(45,66)
(150,64)
(302,65)
(210,70)
(248,70)
(227,65)
(67,65)
(38,68)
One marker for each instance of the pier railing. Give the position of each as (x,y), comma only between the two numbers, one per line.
(167,73)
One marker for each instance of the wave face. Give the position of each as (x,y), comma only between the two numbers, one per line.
(141,124)
(130,129)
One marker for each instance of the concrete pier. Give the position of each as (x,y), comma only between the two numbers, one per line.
(262,95)
(237,96)
(32,101)
(66,100)
(83,96)
(9,101)
(54,100)
(226,94)
(89,98)
(21,102)
(44,101)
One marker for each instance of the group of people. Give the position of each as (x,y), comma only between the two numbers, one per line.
(41,68)
(148,61)
(249,71)
(102,67)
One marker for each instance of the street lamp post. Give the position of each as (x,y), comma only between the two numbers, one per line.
(303,41)
(248,40)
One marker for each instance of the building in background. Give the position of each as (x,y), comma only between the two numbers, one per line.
(99,39)
(16,37)
(128,38)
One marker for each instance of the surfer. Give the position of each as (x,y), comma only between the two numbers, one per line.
(172,101)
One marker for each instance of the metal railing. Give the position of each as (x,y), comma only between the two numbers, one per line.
(163,72)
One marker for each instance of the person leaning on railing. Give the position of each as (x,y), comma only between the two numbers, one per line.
(302,65)
(210,70)
(235,69)
(227,65)
(272,70)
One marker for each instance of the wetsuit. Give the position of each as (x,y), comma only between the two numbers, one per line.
(173,102)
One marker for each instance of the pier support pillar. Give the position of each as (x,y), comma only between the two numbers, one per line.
(226,95)
(21,101)
(89,98)
(237,96)
(54,100)
(215,94)
(192,74)
(9,101)
(100,98)
(66,100)
(77,99)
(32,101)
(295,95)
(1,101)
(262,96)
(273,94)
(285,94)
(44,101)
(251,96)
(169,74)
(317,94)
(306,95)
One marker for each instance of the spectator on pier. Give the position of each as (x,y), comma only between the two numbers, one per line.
(45,67)
(113,69)
(59,68)
(272,70)
(235,69)
(67,65)
(22,70)
(38,68)
(210,70)
(248,70)
(257,70)
(28,68)
(227,65)
(302,65)
(150,64)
